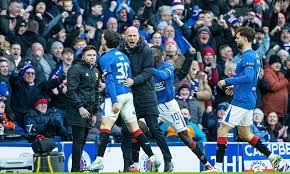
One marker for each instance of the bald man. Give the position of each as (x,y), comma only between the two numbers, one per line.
(145,100)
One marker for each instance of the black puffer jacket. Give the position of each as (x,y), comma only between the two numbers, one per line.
(82,91)
(141,60)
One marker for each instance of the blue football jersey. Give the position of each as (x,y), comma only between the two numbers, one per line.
(163,81)
(245,81)
(115,66)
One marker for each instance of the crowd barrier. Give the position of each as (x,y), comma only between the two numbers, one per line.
(240,157)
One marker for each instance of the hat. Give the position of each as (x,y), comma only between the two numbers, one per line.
(223,106)
(40,101)
(23,24)
(136,18)
(204,28)
(177,5)
(39,1)
(259,112)
(207,50)
(184,85)
(233,21)
(25,68)
(274,59)
(259,30)
(162,25)
(4,91)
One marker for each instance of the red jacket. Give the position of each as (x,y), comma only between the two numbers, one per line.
(277,99)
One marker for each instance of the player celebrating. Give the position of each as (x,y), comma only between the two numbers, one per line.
(116,68)
(168,107)
(240,112)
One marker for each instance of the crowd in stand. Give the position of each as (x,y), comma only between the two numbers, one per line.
(41,39)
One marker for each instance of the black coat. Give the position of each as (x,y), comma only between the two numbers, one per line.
(82,91)
(141,59)
(25,95)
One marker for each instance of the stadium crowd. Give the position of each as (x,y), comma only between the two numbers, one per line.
(41,39)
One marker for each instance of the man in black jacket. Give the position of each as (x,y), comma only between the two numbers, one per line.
(145,100)
(83,103)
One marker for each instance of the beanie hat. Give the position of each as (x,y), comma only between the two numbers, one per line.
(207,50)
(40,101)
(177,5)
(274,58)
(259,112)
(4,91)
(184,85)
(233,21)
(204,28)
(25,68)
(39,1)
(223,106)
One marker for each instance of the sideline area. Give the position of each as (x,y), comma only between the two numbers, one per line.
(240,157)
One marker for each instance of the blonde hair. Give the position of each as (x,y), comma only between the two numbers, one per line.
(230,66)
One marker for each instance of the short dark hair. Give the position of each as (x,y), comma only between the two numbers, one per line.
(157,49)
(246,32)
(67,50)
(112,38)
(89,47)
(3,60)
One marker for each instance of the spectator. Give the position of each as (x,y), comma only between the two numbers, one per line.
(186,100)
(221,95)
(40,14)
(59,93)
(277,99)
(208,65)
(25,90)
(10,127)
(14,57)
(258,128)
(29,37)
(43,63)
(156,39)
(11,18)
(5,80)
(276,131)
(211,121)
(56,51)
(226,56)
(112,24)
(199,84)
(44,120)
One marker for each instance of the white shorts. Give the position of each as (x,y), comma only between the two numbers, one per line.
(237,116)
(170,114)
(127,109)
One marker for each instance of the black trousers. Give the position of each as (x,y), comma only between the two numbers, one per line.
(157,134)
(80,135)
